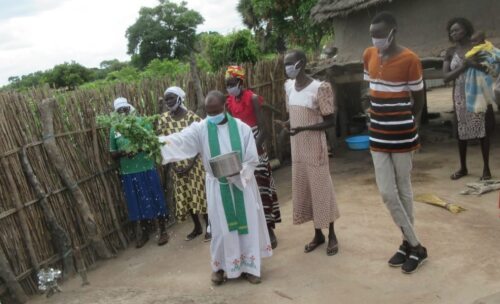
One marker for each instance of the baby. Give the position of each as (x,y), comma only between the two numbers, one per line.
(481,46)
(478,38)
(480,78)
(484,52)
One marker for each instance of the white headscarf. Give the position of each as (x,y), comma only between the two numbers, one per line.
(181,95)
(177,91)
(121,102)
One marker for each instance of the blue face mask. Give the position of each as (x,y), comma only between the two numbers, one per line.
(216,119)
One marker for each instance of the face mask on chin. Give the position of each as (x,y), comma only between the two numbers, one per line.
(292,71)
(216,119)
(175,106)
(234,91)
(382,44)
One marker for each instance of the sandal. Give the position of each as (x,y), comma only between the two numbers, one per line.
(273,239)
(333,250)
(218,277)
(459,174)
(193,235)
(485,178)
(164,238)
(251,278)
(312,245)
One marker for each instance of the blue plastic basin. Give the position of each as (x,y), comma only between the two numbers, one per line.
(359,142)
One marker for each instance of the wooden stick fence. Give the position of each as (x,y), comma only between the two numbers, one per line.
(61,203)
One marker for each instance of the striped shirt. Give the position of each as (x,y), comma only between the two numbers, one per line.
(392,125)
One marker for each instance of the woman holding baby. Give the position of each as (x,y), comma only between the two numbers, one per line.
(471,123)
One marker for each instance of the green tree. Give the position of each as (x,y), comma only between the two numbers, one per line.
(280,22)
(127,74)
(235,48)
(112,65)
(31,80)
(69,75)
(160,68)
(167,31)
(108,66)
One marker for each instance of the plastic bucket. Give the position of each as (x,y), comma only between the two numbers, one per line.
(358,142)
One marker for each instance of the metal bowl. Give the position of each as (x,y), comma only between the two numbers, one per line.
(226,165)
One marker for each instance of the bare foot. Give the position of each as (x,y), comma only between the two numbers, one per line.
(459,174)
(486,174)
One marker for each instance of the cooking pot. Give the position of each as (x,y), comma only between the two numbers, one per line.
(226,165)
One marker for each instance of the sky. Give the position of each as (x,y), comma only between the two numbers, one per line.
(38,34)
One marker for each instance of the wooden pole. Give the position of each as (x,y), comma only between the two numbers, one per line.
(16,291)
(46,108)
(82,270)
(59,237)
(200,98)
(21,213)
(109,199)
(273,103)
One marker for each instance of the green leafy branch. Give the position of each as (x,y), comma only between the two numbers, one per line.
(137,130)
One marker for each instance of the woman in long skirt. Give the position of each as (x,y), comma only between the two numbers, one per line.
(245,105)
(141,183)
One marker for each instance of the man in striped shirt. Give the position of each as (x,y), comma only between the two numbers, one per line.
(397,99)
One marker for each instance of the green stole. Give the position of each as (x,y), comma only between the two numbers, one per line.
(234,205)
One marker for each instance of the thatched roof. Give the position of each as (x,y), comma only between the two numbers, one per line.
(327,9)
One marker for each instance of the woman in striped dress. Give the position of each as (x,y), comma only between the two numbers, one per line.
(188,175)
(246,106)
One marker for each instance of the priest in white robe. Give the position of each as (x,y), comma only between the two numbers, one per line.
(238,246)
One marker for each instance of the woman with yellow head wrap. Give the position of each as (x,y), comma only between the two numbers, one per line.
(245,105)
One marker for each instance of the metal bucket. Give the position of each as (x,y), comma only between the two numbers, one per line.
(226,165)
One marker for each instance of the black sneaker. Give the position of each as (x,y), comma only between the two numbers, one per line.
(400,257)
(417,256)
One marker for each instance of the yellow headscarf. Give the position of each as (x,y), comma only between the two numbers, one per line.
(236,72)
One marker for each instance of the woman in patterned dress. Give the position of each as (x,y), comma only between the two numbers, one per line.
(470,125)
(188,176)
(246,105)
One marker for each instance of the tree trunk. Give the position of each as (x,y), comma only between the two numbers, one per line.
(23,218)
(200,98)
(60,237)
(17,294)
(49,142)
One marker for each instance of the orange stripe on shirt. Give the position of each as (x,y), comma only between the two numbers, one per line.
(389,113)
(387,95)
(416,147)
(393,132)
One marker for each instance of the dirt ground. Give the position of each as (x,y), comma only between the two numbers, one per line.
(463,248)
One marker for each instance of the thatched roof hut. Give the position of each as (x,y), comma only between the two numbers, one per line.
(421,27)
(327,9)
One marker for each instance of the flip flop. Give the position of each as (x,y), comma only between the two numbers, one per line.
(330,251)
(485,178)
(193,235)
(273,239)
(312,245)
(164,238)
(458,175)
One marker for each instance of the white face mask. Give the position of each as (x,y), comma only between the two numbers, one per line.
(175,106)
(382,44)
(234,91)
(292,71)
(216,119)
